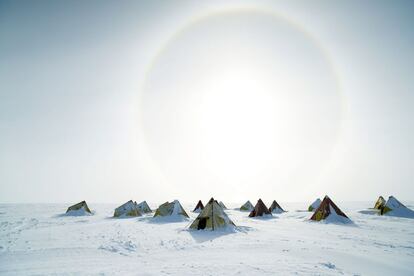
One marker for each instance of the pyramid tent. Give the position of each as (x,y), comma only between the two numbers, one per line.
(199,207)
(259,210)
(248,206)
(222,205)
(314,205)
(326,209)
(380,203)
(275,208)
(79,208)
(128,209)
(143,207)
(396,207)
(212,217)
(170,209)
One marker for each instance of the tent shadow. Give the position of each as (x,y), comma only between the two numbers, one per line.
(369,212)
(406,216)
(348,223)
(265,217)
(163,220)
(61,216)
(121,218)
(66,215)
(243,211)
(201,236)
(279,212)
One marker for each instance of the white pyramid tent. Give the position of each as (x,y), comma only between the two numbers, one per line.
(79,209)
(222,205)
(248,206)
(393,207)
(128,209)
(212,217)
(276,208)
(171,209)
(314,205)
(143,207)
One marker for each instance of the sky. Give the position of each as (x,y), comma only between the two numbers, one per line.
(160,100)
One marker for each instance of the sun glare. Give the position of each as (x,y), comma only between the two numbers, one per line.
(258,114)
(237,122)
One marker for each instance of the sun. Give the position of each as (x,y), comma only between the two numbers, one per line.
(240,99)
(237,122)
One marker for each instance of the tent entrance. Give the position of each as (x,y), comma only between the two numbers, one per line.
(202,223)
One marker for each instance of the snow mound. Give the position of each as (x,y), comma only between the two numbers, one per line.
(335,218)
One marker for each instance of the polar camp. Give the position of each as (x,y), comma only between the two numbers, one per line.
(170,209)
(143,207)
(314,205)
(248,206)
(212,217)
(328,210)
(275,208)
(80,208)
(259,210)
(199,207)
(128,209)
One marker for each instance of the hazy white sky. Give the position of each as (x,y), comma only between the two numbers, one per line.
(156,100)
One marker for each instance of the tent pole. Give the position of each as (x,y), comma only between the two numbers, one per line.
(212,216)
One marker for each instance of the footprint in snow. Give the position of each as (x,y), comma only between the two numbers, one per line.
(329,265)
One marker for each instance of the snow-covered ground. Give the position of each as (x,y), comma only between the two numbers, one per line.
(37,239)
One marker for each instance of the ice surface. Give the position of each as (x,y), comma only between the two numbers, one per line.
(34,239)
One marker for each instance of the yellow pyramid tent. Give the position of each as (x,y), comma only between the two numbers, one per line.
(79,209)
(128,209)
(212,217)
(170,209)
